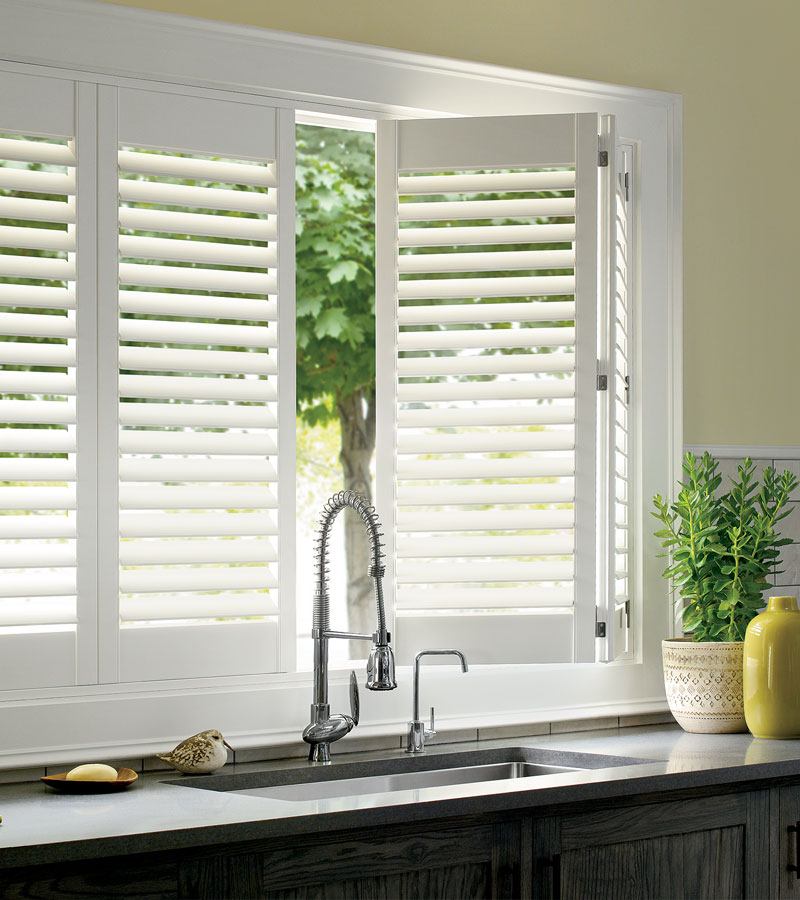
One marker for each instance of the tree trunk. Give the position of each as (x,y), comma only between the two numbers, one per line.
(357,423)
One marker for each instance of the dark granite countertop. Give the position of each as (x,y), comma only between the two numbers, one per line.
(42,826)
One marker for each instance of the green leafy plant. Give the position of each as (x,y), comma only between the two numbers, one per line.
(722,545)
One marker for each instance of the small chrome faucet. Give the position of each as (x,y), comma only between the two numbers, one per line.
(417,732)
(324,728)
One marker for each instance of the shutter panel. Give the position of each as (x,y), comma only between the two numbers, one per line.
(615,427)
(621,452)
(198,391)
(38,414)
(488,288)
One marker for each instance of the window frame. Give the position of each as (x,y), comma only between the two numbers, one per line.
(134,48)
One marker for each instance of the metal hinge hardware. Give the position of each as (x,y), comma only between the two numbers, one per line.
(602,380)
(602,155)
(627,187)
(627,390)
(600,629)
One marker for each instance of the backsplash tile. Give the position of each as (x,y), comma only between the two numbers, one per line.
(790,565)
(15,776)
(454,736)
(504,732)
(584,724)
(659,718)
(264,754)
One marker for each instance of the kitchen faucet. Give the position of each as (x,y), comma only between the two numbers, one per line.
(417,732)
(324,728)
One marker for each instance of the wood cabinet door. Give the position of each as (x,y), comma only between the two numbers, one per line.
(786,839)
(714,847)
(474,862)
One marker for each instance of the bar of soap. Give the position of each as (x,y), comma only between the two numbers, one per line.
(92,772)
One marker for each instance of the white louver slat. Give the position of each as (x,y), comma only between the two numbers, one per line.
(198,404)
(38,420)
(487,264)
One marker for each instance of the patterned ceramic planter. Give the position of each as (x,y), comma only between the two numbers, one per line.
(704,685)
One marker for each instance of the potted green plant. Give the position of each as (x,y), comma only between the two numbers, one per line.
(722,545)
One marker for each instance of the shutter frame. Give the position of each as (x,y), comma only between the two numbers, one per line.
(196,562)
(401,147)
(48,613)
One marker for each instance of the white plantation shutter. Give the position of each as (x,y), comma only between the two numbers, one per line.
(488,289)
(620,399)
(40,317)
(198,399)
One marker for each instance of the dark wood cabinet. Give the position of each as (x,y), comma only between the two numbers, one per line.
(785,837)
(461,861)
(714,847)
(738,844)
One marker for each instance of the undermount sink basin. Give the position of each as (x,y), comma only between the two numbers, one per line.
(403,781)
(351,778)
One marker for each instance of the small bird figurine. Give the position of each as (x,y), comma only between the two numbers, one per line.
(200,754)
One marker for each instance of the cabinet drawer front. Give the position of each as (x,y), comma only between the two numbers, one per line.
(652,820)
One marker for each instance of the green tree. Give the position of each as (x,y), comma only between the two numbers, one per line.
(336,317)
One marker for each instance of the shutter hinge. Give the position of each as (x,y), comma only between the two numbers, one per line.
(602,155)
(602,380)
(627,187)
(627,614)
(599,629)
(627,390)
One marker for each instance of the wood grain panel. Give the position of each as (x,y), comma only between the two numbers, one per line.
(698,865)
(505,860)
(653,820)
(788,808)
(125,879)
(212,877)
(379,855)
(759,871)
(463,882)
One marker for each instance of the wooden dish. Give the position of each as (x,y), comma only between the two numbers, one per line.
(125,778)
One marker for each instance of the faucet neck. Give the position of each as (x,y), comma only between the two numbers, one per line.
(418,660)
(360,504)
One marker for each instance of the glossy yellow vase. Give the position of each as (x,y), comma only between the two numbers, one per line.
(772,671)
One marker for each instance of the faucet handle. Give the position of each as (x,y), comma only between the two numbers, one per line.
(355,703)
(431,732)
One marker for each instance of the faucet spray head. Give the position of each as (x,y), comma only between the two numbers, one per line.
(380,667)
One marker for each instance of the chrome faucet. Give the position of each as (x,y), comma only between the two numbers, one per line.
(324,728)
(417,732)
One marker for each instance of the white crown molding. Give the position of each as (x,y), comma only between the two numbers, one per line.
(740,451)
(126,41)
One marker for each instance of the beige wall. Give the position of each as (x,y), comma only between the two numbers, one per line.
(735,62)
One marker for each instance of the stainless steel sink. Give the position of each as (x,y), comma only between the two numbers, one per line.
(404,781)
(391,772)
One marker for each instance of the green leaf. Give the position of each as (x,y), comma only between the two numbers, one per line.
(346,269)
(330,323)
(309,306)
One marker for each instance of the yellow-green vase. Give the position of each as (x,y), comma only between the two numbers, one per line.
(772,671)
